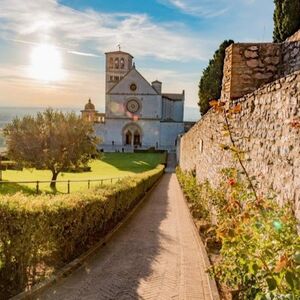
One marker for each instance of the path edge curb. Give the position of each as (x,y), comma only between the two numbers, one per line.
(214,293)
(79,261)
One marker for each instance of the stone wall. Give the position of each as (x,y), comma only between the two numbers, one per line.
(248,67)
(295,37)
(265,132)
(290,57)
(227,71)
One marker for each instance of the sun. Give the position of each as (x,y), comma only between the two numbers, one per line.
(46,63)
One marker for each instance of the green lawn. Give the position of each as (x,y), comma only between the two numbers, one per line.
(110,165)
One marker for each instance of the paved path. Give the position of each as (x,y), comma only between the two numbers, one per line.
(156,255)
(171,163)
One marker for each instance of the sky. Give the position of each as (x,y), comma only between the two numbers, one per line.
(52,52)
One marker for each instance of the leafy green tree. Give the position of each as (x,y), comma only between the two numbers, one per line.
(286,19)
(51,140)
(210,85)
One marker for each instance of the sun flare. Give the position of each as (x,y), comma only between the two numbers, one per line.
(46,63)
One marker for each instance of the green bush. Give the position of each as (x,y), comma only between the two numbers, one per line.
(196,194)
(260,253)
(10,165)
(39,234)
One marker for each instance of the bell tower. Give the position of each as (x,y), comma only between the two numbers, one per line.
(118,63)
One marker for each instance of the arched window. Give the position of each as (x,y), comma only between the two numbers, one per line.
(111,63)
(116,63)
(122,63)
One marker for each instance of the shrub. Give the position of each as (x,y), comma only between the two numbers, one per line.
(196,194)
(39,234)
(260,244)
(79,169)
(10,165)
(260,253)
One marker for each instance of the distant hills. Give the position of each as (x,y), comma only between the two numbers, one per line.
(8,113)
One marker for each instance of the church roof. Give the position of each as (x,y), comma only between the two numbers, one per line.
(173,97)
(133,69)
(118,52)
(89,106)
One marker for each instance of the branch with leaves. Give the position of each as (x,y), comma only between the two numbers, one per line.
(220,107)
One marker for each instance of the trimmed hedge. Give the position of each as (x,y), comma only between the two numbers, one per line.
(39,234)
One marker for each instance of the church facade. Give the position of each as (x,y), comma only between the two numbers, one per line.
(138,115)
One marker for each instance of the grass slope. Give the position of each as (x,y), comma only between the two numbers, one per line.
(110,165)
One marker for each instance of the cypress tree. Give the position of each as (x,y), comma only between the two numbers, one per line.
(286,19)
(210,85)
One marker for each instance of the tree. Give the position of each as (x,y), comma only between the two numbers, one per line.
(210,85)
(286,19)
(50,140)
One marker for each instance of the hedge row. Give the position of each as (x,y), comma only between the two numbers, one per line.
(39,234)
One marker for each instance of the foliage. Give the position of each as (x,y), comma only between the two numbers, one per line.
(210,85)
(39,234)
(260,245)
(260,253)
(286,19)
(228,112)
(50,140)
(196,194)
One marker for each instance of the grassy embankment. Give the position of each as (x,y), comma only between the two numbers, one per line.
(110,165)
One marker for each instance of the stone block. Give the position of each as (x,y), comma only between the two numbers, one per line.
(250,54)
(274,60)
(267,75)
(253,48)
(252,63)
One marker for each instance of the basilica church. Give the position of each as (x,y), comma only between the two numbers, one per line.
(138,115)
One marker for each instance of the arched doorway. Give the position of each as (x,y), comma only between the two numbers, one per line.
(128,137)
(132,135)
(136,138)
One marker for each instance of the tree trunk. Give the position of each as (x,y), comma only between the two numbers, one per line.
(53,182)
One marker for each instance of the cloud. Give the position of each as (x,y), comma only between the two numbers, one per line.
(68,50)
(83,53)
(200,8)
(48,21)
(204,8)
